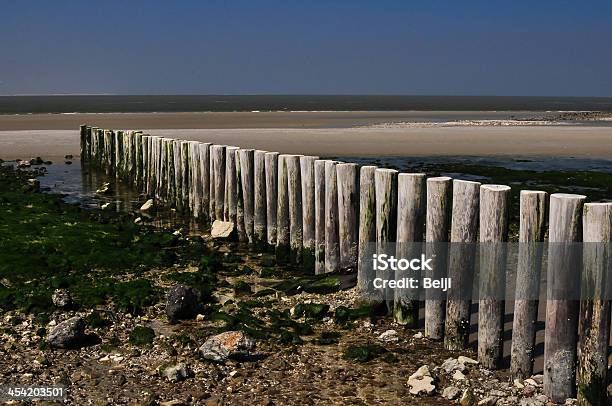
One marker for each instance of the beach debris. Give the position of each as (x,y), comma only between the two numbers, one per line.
(105,189)
(177,372)
(222,229)
(451,392)
(421,382)
(67,334)
(148,205)
(226,345)
(182,302)
(389,336)
(61,298)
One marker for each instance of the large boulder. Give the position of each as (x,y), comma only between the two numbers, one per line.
(68,334)
(182,302)
(225,345)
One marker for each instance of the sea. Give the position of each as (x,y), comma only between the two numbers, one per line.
(221,103)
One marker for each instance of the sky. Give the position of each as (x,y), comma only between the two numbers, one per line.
(528,48)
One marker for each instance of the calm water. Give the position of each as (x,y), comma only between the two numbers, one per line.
(126,104)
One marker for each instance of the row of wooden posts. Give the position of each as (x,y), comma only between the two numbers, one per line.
(323,213)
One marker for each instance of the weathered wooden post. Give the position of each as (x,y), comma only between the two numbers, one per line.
(145,164)
(386,223)
(332,239)
(247,184)
(170,173)
(185,174)
(595,307)
(561,333)
(218,162)
(119,158)
(230,206)
(437,228)
(83,134)
(308,209)
(367,232)
(294,188)
(271,195)
(178,176)
(494,202)
(282,213)
(532,219)
(319,193)
(464,234)
(195,179)
(205,180)
(411,212)
(259,217)
(348,214)
(138,158)
(109,147)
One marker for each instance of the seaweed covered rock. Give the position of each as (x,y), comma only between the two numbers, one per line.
(182,302)
(226,345)
(68,334)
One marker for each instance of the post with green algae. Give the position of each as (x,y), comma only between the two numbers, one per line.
(259,188)
(494,203)
(231,185)
(367,231)
(246,156)
(348,214)
(386,219)
(282,213)
(332,239)
(464,235)
(205,176)
(411,212)
(294,189)
(195,183)
(561,333)
(271,162)
(308,210)
(218,165)
(319,213)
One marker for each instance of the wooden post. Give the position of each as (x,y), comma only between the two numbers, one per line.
(319,212)
(185,166)
(367,231)
(386,223)
(83,133)
(247,184)
(146,173)
(109,137)
(348,214)
(332,239)
(594,325)
(205,176)
(411,211)
(294,188)
(218,162)
(171,174)
(259,217)
(119,158)
(138,158)
(230,206)
(464,234)
(282,213)
(561,333)
(271,195)
(437,228)
(532,219)
(494,202)
(195,179)
(308,210)
(178,175)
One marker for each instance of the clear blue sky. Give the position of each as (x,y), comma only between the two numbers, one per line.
(518,47)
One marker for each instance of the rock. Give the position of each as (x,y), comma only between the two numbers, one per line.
(538,401)
(34,184)
(36,161)
(418,335)
(488,401)
(68,162)
(458,376)
(468,398)
(226,345)
(69,156)
(451,365)
(222,229)
(182,302)
(173,403)
(466,360)
(531,382)
(61,298)
(539,379)
(105,189)
(389,336)
(148,205)
(138,220)
(23,164)
(177,372)
(67,334)
(529,391)
(200,317)
(451,392)
(421,382)
(107,206)
(518,384)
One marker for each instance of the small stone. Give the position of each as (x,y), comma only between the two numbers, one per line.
(421,372)
(488,401)
(67,334)
(23,164)
(518,384)
(468,398)
(105,189)
(539,378)
(421,386)
(138,220)
(225,345)
(177,372)
(466,360)
(418,335)
(451,392)
(222,229)
(531,382)
(61,298)
(148,205)
(182,302)
(200,317)
(529,391)
(107,206)
(34,185)
(458,376)
(389,336)
(451,365)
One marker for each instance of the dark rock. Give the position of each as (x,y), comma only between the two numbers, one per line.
(61,298)
(182,302)
(68,334)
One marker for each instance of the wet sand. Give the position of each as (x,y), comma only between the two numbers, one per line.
(548,141)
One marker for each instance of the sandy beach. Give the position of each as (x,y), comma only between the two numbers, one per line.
(550,141)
